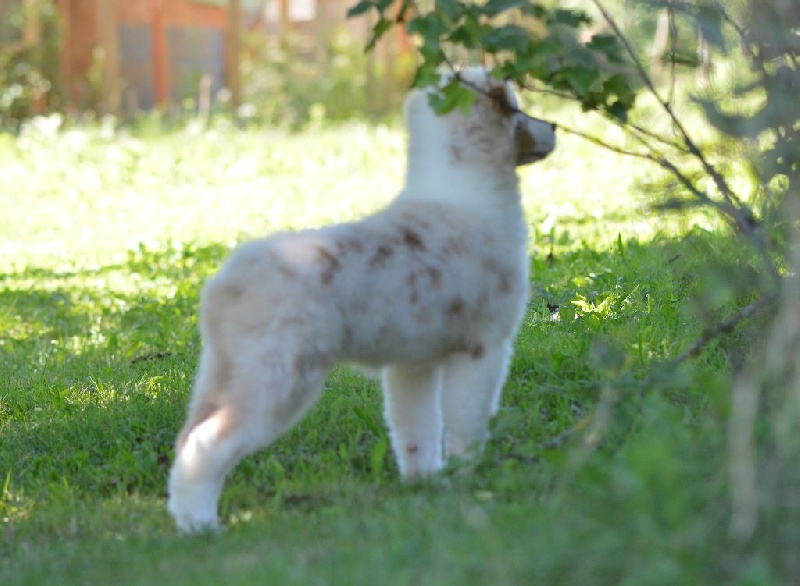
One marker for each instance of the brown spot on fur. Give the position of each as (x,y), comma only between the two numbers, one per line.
(454,247)
(477,352)
(502,273)
(411,238)
(286,271)
(456,156)
(351,244)
(456,306)
(412,284)
(290,321)
(382,254)
(332,265)
(412,449)
(435,276)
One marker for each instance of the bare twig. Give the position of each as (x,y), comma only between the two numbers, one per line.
(657,137)
(613,148)
(738,211)
(563,437)
(719,180)
(691,352)
(673,41)
(725,327)
(549,92)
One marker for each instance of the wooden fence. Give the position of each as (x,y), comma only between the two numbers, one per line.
(130,55)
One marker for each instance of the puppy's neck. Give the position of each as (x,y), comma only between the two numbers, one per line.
(436,173)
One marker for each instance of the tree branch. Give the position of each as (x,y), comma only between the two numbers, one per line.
(725,327)
(735,208)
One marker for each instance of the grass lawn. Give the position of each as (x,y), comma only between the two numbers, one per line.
(104,244)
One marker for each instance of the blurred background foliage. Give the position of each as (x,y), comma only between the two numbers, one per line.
(705,89)
(340,83)
(29,72)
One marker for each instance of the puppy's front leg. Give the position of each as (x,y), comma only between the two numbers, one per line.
(471,387)
(414,414)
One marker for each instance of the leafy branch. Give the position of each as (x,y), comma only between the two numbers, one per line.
(523,40)
(539,49)
(732,208)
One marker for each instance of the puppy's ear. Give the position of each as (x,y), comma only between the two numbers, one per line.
(525,143)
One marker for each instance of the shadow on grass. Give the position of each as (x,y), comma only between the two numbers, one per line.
(97,364)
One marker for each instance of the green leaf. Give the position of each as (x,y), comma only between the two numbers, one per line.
(450,9)
(468,33)
(430,28)
(509,37)
(361,8)
(452,96)
(426,74)
(570,18)
(380,28)
(608,45)
(580,79)
(496,7)
(619,111)
(466,100)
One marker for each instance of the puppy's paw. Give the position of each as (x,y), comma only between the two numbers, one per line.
(193,506)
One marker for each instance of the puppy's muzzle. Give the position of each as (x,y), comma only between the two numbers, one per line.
(534,139)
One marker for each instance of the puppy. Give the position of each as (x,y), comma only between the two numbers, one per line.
(430,291)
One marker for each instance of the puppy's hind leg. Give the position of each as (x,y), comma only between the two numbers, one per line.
(194,482)
(471,388)
(236,409)
(414,414)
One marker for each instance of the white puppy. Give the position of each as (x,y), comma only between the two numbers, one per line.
(429,290)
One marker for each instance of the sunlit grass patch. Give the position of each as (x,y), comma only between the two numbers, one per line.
(103,252)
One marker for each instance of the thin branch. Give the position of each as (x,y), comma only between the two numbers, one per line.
(563,437)
(725,327)
(730,208)
(673,40)
(657,137)
(613,148)
(735,206)
(692,351)
(593,139)
(719,180)
(627,127)
(548,92)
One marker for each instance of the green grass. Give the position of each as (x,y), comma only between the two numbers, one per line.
(104,243)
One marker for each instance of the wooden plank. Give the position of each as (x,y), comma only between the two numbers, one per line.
(66,70)
(33,29)
(233,54)
(108,39)
(160,66)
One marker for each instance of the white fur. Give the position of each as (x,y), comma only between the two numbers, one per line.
(429,290)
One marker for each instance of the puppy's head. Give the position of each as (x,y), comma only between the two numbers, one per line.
(494,132)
